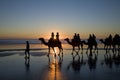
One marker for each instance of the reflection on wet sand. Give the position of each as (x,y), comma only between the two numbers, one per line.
(27,63)
(92,60)
(54,68)
(77,62)
(111,59)
(68,67)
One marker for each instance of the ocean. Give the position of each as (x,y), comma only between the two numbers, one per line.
(35,45)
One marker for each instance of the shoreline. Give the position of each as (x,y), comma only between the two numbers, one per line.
(37,49)
(4,50)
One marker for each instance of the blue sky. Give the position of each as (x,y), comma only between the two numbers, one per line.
(35,18)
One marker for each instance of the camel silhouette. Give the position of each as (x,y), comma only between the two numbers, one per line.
(90,46)
(75,44)
(116,43)
(107,43)
(52,45)
(91,42)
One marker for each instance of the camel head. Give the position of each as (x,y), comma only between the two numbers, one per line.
(66,39)
(41,38)
(84,42)
(43,41)
(101,40)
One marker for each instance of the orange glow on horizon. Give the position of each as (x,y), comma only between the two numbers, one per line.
(48,35)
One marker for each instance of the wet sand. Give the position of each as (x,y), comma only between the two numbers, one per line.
(14,66)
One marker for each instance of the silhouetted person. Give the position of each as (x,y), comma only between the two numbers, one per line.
(94,37)
(110,40)
(90,38)
(57,37)
(78,38)
(52,37)
(27,49)
(110,37)
(75,37)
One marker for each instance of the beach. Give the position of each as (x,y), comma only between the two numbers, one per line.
(14,65)
(57,39)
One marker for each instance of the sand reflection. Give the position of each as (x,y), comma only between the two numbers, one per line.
(54,68)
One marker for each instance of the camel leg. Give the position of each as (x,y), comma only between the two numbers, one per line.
(48,59)
(118,49)
(60,50)
(106,49)
(54,51)
(97,49)
(90,51)
(94,49)
(87,50)
(78,48)
(73,50)
(48,51)
(109,49)
(113,50)
(104,46)
(82,47)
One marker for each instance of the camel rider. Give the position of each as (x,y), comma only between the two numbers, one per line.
(57,37)
(110,37)
(52,37)
(74,38)
(94,37)
(78,38)
(90,38)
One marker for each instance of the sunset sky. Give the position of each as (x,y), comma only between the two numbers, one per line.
(38,18)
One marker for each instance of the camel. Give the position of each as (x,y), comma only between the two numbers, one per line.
(116,43)
(107,43)
(52,45)
(90,46)
(75,44)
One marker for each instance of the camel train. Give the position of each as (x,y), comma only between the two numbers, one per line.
(110,43)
